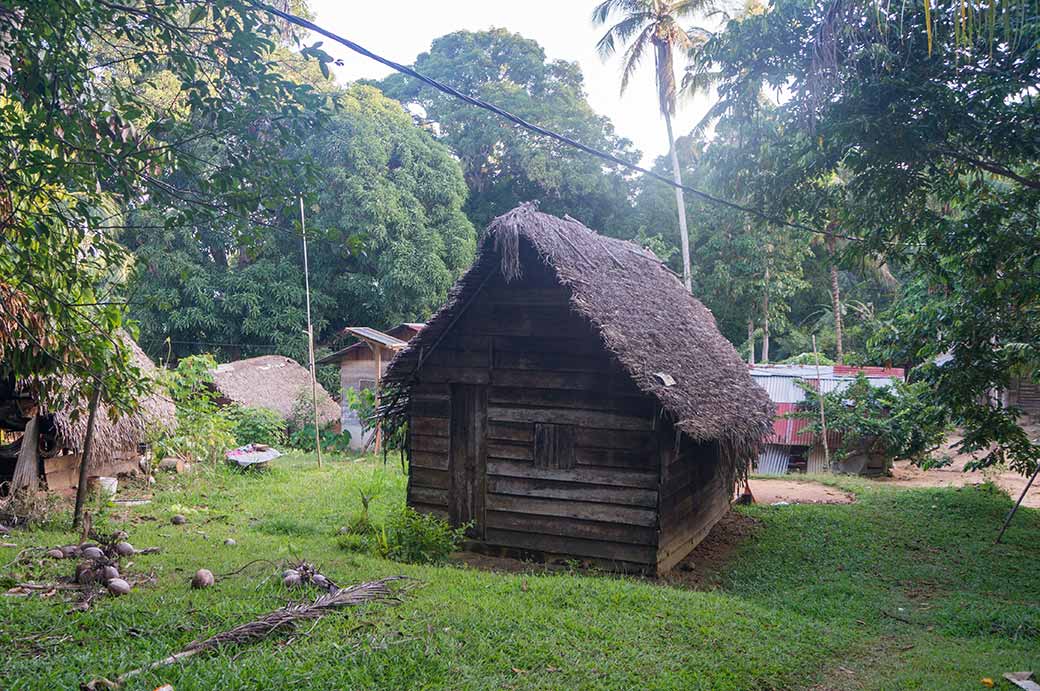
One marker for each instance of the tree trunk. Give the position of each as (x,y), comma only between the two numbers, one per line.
(836,300)
(26,468)
(680,203)
(765,322)
(84,461)
(751,341)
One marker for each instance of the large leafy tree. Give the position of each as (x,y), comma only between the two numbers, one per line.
(82,141)
(929,112)
(503,164)
(387,239)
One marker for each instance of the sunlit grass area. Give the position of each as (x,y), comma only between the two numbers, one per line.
(902,589)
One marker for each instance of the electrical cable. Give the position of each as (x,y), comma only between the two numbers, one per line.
(537,129)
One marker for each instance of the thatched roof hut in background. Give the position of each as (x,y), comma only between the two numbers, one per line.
(156,410)
(56,433)
(573,398)
(273,382)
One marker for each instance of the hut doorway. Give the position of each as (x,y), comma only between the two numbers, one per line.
(468,457)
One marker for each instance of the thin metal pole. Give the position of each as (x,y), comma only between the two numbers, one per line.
(1014,509)
(823,418)
(310,334)
(88,444)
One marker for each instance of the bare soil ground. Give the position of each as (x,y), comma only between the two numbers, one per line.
(769,491)
(953,475)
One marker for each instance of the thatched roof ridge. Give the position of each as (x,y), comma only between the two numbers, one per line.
(643,315)
(126,431)
(273,382)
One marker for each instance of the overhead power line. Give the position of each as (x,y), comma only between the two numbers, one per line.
(538,129)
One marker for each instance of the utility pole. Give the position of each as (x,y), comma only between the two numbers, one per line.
(310,334)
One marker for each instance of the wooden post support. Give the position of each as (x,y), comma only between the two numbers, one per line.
(1014,509)
(88,442)
(379,376)
(310,335)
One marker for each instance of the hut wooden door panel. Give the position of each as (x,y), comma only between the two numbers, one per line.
(468,456)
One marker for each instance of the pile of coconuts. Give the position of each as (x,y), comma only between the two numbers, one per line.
(98,564)
(304,573)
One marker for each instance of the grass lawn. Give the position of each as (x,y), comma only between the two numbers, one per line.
(902,590)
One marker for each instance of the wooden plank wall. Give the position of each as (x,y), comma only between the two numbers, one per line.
(693,497)
(542,363)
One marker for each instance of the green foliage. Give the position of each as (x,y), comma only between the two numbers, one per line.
(807,359)
(927,118)
(363,403)
(900,421)
(387,238)
(87,141)
(205,431)
(332,441)
(258,426)
(503,165)
(417,538)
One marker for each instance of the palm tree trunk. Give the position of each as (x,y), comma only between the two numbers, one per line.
(680,203)
(751,341)
(836,299)
(765,322)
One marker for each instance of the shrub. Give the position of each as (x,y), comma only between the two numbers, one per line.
(354,542)
(258,426)
(331,440)
(901,421)
(416,538)
(204,430)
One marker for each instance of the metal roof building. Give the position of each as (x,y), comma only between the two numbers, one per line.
(789,434)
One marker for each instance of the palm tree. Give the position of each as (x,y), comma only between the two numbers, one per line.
(646,24)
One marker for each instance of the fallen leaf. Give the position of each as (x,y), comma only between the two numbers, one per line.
(987,682)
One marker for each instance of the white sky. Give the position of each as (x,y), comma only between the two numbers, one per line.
(402,29)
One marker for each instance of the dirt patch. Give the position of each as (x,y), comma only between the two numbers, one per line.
(770,491)
(906,475)
(700,570)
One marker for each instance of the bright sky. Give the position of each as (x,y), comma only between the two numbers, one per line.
(402,29)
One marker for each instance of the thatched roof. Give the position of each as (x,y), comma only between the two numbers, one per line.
(126,431)
(273,382)
(642,313)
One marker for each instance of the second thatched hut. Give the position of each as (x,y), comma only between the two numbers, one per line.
(274,382)
(573,399)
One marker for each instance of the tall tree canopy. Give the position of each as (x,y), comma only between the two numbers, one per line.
(930,115)
(503,164)
(387,239)
(82,140)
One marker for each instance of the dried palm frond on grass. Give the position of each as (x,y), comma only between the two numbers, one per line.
(383,591)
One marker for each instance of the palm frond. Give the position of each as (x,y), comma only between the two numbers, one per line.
(602,11)
(634,55)
(620,33)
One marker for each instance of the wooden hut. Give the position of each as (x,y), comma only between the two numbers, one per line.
(60,433)
(573,399)
(361,366)
(274,382)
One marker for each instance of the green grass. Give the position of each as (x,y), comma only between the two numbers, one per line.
(901,590)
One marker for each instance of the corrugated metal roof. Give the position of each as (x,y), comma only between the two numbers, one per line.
(370,334)
(781,383)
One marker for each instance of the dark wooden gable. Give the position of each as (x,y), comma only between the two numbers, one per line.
(571,459)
